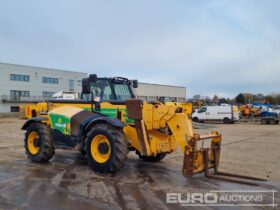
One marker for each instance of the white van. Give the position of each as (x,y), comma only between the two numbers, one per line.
(226,114)
(68,95)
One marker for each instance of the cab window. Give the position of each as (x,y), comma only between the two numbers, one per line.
(122,92)
(102,89)
(203,109)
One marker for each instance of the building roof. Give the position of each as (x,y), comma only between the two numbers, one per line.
(162,85)
(42,68)
(84,73)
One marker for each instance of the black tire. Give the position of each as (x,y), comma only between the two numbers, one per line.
(195,119)
(82,148)
(83,151)
(118,144)
(45,143)
(157,158)
(226,120)
(263,121)
(272,122)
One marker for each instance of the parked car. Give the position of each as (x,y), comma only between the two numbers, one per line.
(276,109)
(226,114)
(268,114)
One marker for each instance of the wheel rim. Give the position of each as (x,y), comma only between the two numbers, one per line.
(32,140)
(100,148)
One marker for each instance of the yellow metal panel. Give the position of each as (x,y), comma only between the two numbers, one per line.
(170,113)
(161,142)
(147,113)
(199,162)
(181,128)
(131,134)
(146,141)
(186,107)
(28,110)
(109,105)
(158,112)
(156,116)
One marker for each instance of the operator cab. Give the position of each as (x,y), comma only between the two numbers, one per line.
(117,89)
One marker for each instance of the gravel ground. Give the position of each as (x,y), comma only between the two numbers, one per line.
(66,182)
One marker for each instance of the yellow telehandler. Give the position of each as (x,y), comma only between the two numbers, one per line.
(109,122)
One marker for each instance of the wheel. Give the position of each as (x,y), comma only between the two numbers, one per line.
(264,121)
(81,147)
(38,143)
(106,148)
(195,119)
(157,158)
(226,120)
(272,122)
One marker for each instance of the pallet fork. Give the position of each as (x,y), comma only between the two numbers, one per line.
(208,159)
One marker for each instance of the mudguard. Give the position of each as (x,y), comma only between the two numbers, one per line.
(32,120)
(80,125)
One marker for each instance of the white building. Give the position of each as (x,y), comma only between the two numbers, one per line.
(19,84)
(153,92)
(25,84)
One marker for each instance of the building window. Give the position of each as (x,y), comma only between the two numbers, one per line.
(47,94)
(18,77)
(71,85)
(79,82)
(17,94)
(14,108)
(50,80)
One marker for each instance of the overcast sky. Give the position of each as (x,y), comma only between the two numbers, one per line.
(222,47)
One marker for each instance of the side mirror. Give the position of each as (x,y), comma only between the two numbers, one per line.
(135,83)
(92,78)
(85,86)
(86,83)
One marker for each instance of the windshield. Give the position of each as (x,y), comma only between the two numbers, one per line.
(202,109)
(104,90)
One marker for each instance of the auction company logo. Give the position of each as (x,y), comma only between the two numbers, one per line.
(255,198)
(59,124)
